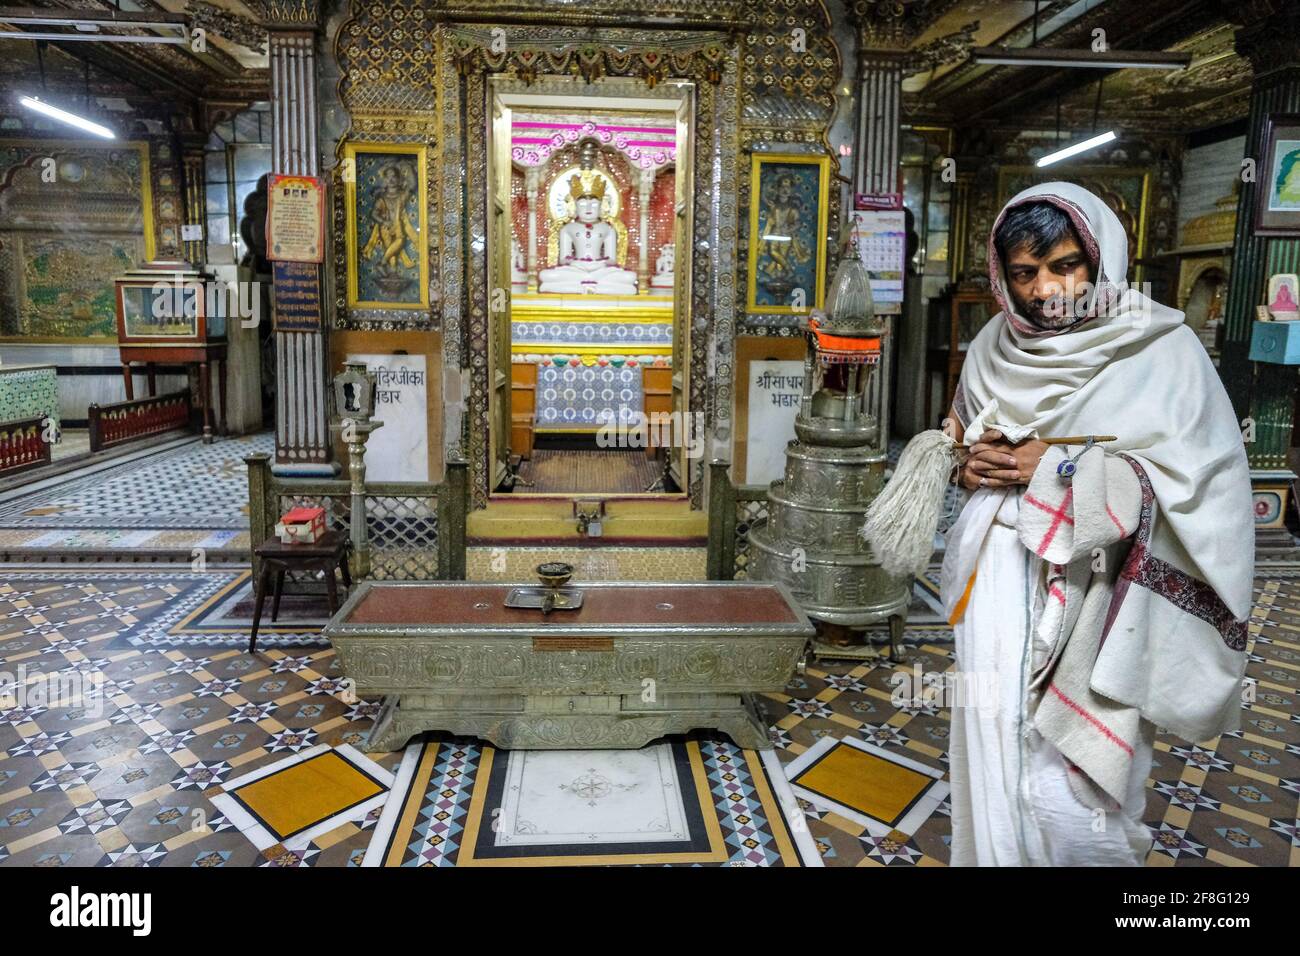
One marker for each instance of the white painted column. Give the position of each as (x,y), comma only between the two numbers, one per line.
(532,176)
(302,439)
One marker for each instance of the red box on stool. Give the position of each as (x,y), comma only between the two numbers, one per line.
(301,526)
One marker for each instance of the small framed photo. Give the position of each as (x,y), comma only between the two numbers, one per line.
(1277,187)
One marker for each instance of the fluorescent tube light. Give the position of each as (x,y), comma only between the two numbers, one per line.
(63,116)
(1081,59)
(1077,148)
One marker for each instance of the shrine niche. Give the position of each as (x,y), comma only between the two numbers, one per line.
(591,230)
(72,216)
(431,85)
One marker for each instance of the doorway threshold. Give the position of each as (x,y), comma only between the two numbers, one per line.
(629,520)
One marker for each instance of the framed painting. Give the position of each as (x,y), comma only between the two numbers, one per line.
(1277,183)
(788,207)
(385,195)
(85,214)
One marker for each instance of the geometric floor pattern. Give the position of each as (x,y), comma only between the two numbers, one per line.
(194,496)
(1233,800)
(123,774)
(157,607)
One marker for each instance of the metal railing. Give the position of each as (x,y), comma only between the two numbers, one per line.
(415,530)
(733,509)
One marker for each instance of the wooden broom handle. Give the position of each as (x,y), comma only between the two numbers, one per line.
(1072,440)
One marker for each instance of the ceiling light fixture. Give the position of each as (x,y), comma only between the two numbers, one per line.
(1077,148)
(1080,59)
(63,116)
(89,25)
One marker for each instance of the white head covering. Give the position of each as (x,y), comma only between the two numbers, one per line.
(1132,369)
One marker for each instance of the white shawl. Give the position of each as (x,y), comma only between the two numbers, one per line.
(1174,638)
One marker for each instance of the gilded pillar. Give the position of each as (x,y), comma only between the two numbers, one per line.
(302,437)
(959,230)
(195,200)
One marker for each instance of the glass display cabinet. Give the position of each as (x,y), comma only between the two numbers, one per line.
(170,313)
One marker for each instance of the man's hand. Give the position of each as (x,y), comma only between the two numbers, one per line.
(993,462)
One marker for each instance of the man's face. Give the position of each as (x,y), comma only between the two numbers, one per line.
(1047,289)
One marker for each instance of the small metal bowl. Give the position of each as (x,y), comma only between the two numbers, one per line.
(554,574)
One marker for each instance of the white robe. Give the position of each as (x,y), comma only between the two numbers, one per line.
(1157,639)
(1012,804)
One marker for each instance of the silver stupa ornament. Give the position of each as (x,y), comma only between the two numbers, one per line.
(834,469)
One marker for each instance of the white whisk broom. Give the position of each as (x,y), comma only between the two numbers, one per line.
(901,522)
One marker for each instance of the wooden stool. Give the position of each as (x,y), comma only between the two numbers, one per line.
(330,552)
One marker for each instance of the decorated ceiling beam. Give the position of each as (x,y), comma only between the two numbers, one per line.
(286,14)
(666,14)
(979,94)
(591,62)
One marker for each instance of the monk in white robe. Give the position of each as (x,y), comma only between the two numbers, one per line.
(1102,592)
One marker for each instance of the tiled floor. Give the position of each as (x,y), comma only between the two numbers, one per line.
(129,778)
(130,783)
(179,499)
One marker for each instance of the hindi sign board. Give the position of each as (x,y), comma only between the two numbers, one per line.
(400,450)
(296,288)
(775,388)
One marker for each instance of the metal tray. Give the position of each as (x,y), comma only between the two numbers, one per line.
(566,599)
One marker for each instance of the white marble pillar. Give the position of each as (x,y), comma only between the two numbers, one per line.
(532,176)
(302,438)
(647,185)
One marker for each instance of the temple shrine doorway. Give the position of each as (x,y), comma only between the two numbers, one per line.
(589,292)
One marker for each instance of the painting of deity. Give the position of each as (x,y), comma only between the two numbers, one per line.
(787,232)
(387,244)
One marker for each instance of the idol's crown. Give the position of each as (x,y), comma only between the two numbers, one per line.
(587,185)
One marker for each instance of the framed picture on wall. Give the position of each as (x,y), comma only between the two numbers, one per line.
(788,207)
(1277,182)
(385,195)
(91,221)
